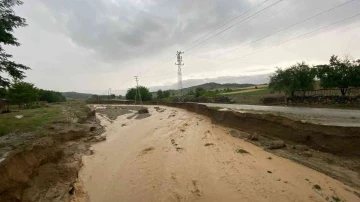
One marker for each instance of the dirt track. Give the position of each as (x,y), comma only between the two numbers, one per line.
(180,156)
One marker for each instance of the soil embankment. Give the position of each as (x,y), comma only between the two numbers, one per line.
(45,168)
(333,139)
(174,155)
(333,150)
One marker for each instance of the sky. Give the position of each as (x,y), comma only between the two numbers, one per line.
(94,45)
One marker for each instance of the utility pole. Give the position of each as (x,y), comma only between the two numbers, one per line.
(137,90)
(179,64)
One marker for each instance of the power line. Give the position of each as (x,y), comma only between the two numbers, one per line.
(273,4)
(268,18)
(171,57)
(164,76)
(286,41)
(293,25)
(226,23)
(281,30)
(276,32)
(179,64)
(137,90)
(249,17)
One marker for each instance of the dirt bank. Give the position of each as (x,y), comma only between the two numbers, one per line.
(44,168)
(174,155)
(333,139)
(320,141)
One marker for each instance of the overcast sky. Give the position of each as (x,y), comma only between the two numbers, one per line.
(94,45)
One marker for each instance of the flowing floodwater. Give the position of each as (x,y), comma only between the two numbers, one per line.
(176,155)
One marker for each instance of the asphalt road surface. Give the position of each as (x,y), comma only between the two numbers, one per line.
(324,116)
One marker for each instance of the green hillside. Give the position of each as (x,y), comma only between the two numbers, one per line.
(75,95)
(215,86)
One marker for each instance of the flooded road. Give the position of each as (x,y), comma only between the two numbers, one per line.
(175,155)
(324,116)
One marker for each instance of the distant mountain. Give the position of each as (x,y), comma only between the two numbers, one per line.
(215,86)
(218,86)
(75,95)
(253,79)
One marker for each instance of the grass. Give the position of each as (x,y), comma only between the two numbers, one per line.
(251,87)
(241,91)
(215,108)
(245,90)
(249,92)
(33,120)
(250,95)
(39,119)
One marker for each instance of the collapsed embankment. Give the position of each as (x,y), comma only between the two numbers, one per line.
(45,168)
(337,140)
(333,139)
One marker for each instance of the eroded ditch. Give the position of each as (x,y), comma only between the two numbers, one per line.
(45,168)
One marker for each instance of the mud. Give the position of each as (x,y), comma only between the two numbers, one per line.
(337,140)
(333,150)
(112,112)
(343,168)
(45,168)
(184,157)
(181,158)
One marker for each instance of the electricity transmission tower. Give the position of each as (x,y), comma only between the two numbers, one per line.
(179,64)
(137,90)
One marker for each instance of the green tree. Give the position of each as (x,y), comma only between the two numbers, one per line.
(199,92)
(3,92)
(191,92)
(130,94)
(51,96)
(21,93)
(355,74)
(160,94)
(340,74)
(166,94)
(144,93)
(297,77)
(8,22)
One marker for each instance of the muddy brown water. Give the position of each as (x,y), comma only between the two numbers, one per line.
(177,155)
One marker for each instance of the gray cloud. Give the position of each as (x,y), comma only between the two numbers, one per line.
(121,31)
(104,43)
(118,31)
